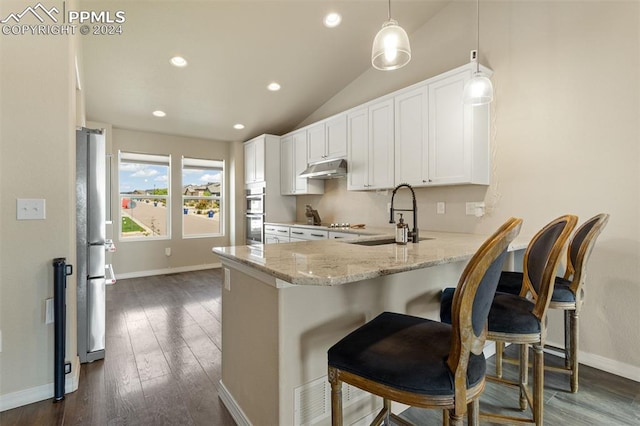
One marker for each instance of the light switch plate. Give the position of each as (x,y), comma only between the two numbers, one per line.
(227,279)
(440,207)
(48,312)
(30,209)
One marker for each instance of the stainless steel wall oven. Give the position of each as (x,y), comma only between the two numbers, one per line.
(254,214)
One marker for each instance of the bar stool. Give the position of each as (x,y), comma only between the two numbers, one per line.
(568,292)
(516,319)
(426,363)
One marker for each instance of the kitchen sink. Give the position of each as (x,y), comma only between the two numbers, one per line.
(382,242)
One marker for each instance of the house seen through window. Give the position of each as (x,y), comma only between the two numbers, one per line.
(202,197)
(145,198)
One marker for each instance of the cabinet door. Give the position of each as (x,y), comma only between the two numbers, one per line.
(357,149)
(411,138)
(259,159)
(316,143)
(381,155)
(449,131)
(300,161)
(336,131)
(249,162)
(286,166)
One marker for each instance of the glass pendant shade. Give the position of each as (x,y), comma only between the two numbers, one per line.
(478,90)
(391,49)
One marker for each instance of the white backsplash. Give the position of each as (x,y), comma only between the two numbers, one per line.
(370,207)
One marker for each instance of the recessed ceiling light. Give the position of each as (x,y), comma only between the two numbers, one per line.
(332,20)
(238,126)
(274,87)
(178,61)
(159,113)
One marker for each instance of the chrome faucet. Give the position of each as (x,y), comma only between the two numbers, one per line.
(413,234)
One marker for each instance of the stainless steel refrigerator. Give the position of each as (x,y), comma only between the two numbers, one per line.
(91,239)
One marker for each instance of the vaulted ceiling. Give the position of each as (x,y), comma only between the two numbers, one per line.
(234,49)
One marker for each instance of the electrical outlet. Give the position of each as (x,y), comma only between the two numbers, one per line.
(440,207)
(475,209)
(67,367)
(167,251)
(48,311)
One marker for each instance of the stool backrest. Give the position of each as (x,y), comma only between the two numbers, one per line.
(580,249)
(541,260)
(472,301)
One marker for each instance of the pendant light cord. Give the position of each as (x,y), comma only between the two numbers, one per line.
(478,36)
(389,11)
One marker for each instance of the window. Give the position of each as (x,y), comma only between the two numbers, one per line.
(202,185)
(144,182)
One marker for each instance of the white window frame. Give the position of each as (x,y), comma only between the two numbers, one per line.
(151,159)
(204,164)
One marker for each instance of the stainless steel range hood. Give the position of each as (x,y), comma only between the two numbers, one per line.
(326,170)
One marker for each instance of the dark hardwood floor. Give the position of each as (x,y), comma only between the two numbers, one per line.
(163,367)
(163,359)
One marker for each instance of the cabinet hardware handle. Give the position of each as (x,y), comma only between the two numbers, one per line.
(281,230)
(297,232)
(317,235)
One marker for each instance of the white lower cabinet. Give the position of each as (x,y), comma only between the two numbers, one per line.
(274,234)
(308,234)
(336,235)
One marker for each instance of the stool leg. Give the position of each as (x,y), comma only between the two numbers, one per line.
(336,398)
(499,352)
(567,339)
(455,419)
(445,417)
(574,350)
(524,374)
(538,383)
(473,412)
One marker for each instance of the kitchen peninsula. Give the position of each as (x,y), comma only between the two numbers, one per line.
(284,305)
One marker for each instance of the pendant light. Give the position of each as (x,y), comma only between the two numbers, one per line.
(391,48)
(478,90)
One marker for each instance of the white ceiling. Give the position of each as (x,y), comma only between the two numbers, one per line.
(234,49)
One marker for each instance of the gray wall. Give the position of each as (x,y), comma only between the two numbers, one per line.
(143,257)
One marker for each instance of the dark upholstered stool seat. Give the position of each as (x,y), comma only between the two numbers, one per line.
(511,282)
(509,313)
(417,347)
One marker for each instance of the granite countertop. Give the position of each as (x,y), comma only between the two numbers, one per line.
(330,262)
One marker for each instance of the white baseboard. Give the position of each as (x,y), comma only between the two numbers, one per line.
(191,268)
(40,393)
(598,362)
(234,409)
(618,368)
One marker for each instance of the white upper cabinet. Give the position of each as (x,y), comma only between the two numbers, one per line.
(458,133)
(316,143)
(438,139)
(357,149)
(327,140)
(370,146)
(286,166)
(254,160)
(381,149)
(336,137)
(411,137)
(293,159)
